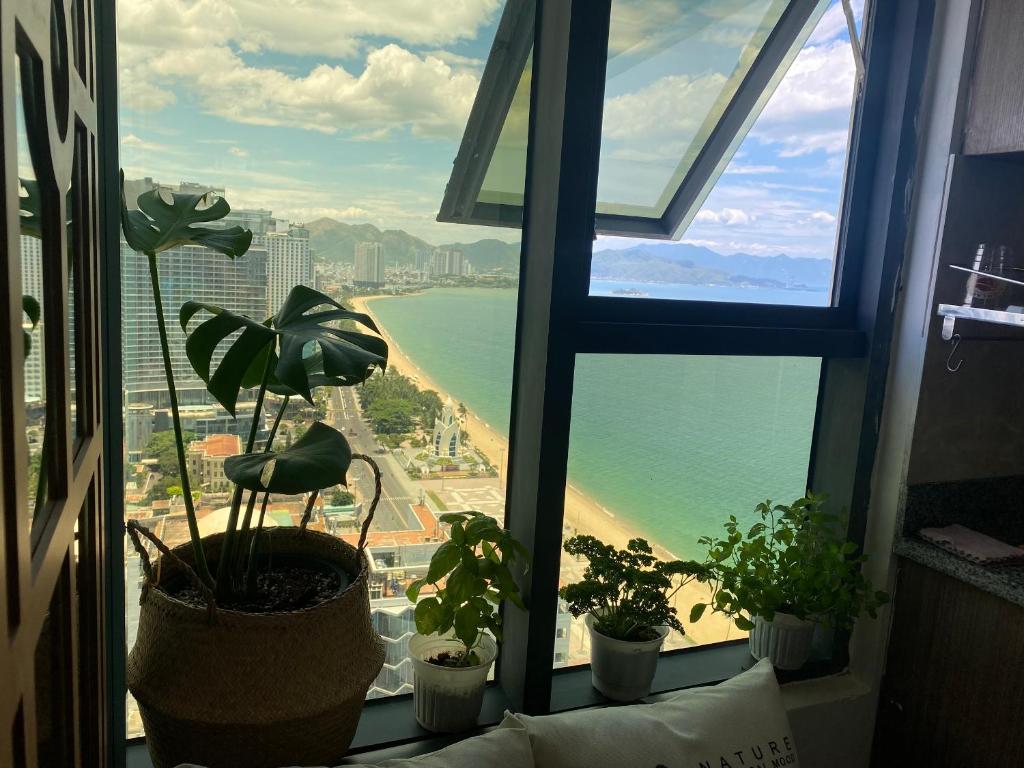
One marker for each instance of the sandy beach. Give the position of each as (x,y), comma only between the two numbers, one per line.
(582,514)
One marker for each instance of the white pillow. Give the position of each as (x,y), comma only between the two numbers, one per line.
(507,746)
(740,723)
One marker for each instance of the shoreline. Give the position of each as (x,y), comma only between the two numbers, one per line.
(582,514)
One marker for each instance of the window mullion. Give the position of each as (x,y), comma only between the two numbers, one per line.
(569,64)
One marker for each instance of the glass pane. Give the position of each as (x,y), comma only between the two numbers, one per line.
(706,437)
(340,189)
(766,233)
(33,311)
(55,733)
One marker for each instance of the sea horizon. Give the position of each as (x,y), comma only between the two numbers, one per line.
(711,436)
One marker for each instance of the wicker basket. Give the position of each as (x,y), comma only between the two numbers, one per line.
(224,688)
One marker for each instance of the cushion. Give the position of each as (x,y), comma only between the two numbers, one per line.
(740,723)
(507,746)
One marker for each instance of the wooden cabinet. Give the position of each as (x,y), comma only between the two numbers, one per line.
(953,692)
(995,111)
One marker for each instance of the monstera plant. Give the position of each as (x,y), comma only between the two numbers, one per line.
(308,584)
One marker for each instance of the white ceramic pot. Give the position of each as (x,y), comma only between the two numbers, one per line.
(621,670)
(448,699)
(785,640)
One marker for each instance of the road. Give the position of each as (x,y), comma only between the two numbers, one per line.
(393,512)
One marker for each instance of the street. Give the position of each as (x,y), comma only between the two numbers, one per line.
(393,512)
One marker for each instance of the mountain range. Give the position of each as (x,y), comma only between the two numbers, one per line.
(658,263)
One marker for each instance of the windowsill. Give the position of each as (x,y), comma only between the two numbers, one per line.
(388,729)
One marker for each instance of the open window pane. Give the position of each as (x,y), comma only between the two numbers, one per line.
(693,73)
(705,437)
(330,136)
(766,233)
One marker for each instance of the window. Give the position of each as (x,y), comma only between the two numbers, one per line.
(341,200)
(706,437)
(556,403)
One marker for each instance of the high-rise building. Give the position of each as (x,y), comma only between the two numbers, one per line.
(369,266)
(187,272)
(32,285)
(447,261)
(289,263)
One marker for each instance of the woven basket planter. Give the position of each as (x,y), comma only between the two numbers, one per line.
(224,688)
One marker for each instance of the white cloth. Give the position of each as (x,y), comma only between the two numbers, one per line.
(740,723)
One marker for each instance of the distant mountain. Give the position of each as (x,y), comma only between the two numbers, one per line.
(658,263)
(336,241)
(697,265)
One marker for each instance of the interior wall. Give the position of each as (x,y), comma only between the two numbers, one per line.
(836,731)
(969,422)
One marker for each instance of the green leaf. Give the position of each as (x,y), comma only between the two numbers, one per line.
(310,350)
(413,590)
(30,307)
(158,224)
(697,611)
(745,624)
(466,620)
(429,614)
(445,557)
(318,459)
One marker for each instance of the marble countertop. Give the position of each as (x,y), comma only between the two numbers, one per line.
(1005,581)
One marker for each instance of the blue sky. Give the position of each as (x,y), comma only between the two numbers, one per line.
(354,110)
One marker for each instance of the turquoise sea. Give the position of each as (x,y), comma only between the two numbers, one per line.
(672,444)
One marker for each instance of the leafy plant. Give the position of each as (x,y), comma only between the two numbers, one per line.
(628,591)
(472,575)
(309,343)
(795,560)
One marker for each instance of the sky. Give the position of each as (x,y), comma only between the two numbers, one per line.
(354,110)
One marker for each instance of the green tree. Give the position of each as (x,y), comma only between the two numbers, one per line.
(161,446)
(429,408)
(391,416)
(340,498)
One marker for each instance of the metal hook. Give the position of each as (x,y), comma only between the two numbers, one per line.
(956,339)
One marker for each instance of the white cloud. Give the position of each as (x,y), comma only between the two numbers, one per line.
(396,88)
(739,169)
(334,28)
(674,105)
(238,152)
(798,145)
(823,216)
(132,142)
(212,50)
(726,216)
(820,80)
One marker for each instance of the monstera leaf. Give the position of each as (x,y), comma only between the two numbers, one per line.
(298,333)
(318,459)
(159,225)
(30,307)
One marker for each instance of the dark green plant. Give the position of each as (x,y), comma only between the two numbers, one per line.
(794,560)
(628,591)
(472,576)
(308,343)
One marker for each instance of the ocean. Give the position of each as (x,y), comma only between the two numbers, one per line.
(672,444)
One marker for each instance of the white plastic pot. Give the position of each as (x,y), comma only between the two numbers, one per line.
(621,670)
(785,640)
(448,699)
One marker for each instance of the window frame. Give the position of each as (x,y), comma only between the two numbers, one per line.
(557,319)
(505,65)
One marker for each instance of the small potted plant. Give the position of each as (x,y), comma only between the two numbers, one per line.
(626,595)
(459,626)
(792,571)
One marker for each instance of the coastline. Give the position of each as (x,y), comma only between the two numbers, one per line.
(583,515)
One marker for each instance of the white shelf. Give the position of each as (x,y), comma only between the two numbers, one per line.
(995,316)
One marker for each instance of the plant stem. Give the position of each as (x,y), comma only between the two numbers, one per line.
(190,514)
(247,519)
(309,510)
(251,567)
(227,552)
